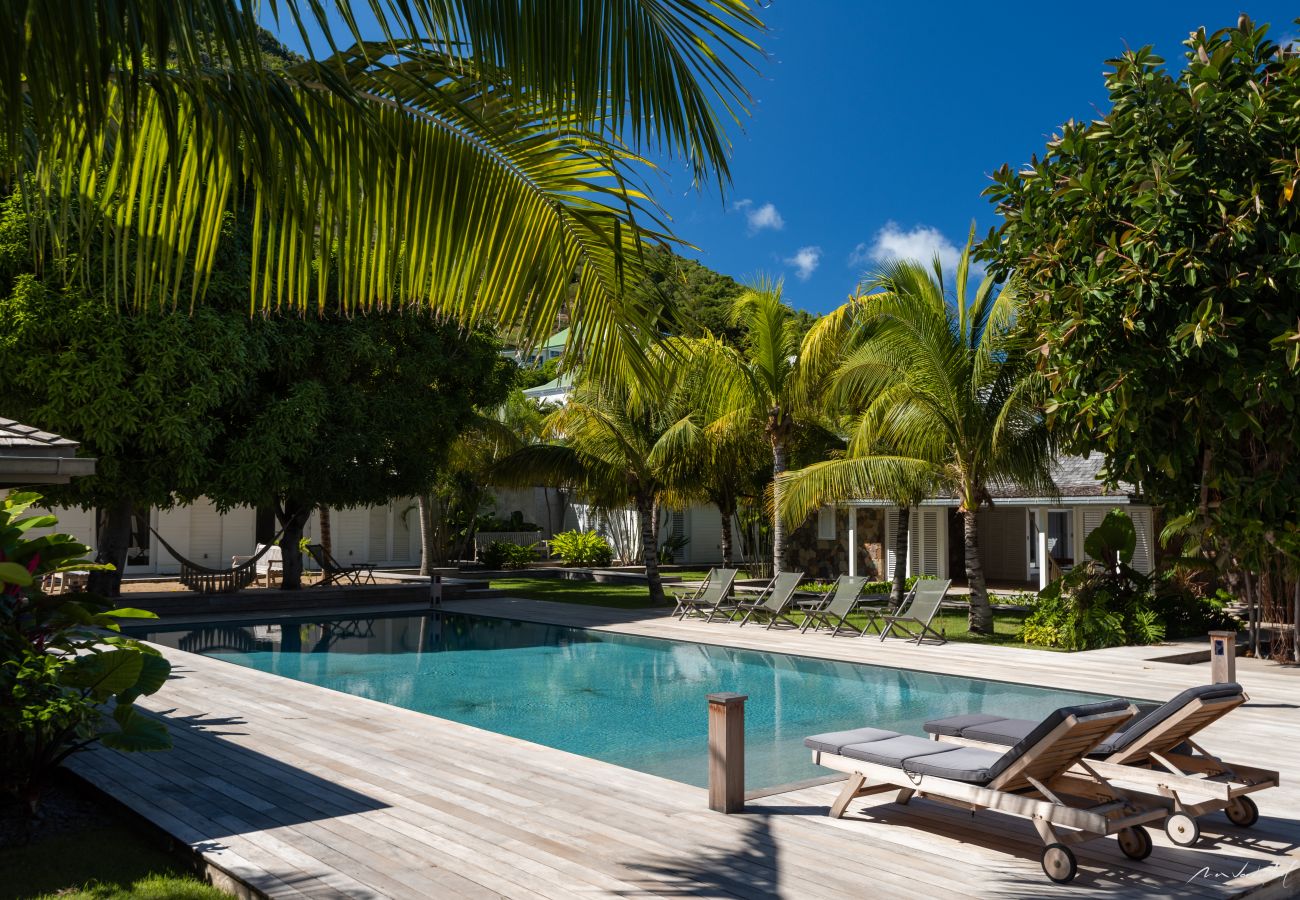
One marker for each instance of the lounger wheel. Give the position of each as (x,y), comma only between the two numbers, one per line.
(1182,829)
(1135,842)
(1242,811)
(1059,863)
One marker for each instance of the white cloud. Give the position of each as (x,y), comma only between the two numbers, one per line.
(920,244)
(759,217)
(805,261)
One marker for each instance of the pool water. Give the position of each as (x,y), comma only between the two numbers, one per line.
(637,702)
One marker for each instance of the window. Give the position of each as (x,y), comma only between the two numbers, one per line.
(826,523)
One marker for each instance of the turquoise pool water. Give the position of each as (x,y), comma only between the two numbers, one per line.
(636,702)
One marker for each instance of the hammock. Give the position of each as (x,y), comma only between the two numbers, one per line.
(216,581)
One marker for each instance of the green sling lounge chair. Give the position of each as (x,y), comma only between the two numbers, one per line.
(835,614)
(917,610)
(712,592)
(774,603)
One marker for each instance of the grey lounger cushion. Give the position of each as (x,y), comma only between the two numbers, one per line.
(998,730)
(834,741)
(921,756)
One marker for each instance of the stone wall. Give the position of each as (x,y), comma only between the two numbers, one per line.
(825,560)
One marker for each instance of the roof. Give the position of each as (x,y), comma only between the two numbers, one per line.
(556,386)
(31,456)
(557,340)
(1076,480)
(1075,476)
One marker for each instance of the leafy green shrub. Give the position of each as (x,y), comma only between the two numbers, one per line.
(1185,612)
(1098,604)
(515,522)
(507,555)
(59,669)
(675,544)
(582,548)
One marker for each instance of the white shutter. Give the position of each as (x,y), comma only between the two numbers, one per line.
(925,555)
(1092,519)
(205,534)
(377,550)
(404,513)
(1143,559)
(826,523)
(891,531)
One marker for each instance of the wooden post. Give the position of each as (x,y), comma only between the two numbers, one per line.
(435,589)
(727,752)
(1223,656)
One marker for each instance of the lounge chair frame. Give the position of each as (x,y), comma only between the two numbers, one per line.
(1184,784)
(891,621)
(335,572)
(1046,784)
(703,597)
(763,604)
(821,616)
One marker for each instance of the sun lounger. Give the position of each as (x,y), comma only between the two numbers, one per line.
(835,614)
(774,603)
(919,610)
(714,591)
(1154,753)
(1033,779)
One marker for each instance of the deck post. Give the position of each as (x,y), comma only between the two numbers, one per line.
(1223,656)
(727,752)
(435,589)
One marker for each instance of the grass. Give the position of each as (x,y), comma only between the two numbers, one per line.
(949,622)
(103,863)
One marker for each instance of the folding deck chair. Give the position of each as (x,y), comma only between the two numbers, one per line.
(918,609)
(712,592)
(848,588)
(1033,779)
(335,573)
(774,603)
(1155,754)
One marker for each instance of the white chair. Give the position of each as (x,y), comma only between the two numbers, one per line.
(271,563)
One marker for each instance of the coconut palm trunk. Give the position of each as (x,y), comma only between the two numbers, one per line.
(981,613)
(426,535)
(900,555)
(728,554)
(778,523)
(645,507)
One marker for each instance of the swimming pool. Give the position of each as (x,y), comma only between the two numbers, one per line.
(636,702)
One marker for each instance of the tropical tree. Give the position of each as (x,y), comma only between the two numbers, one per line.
(611,442)
(946,394)
(480,157)
(765,388)
(1157,250)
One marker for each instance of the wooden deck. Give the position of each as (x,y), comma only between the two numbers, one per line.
(300,791)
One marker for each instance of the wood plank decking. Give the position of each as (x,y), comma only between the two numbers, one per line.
(300,791)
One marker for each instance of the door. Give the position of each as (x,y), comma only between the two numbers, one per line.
(1060,537)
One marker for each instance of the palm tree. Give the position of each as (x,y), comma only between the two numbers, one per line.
(609,443)
(767,387)
(946,394)
(480,157)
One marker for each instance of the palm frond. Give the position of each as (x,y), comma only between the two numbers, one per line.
(895,478)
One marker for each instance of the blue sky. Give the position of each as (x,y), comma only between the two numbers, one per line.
(875,126)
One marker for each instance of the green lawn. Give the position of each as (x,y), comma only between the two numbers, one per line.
(102,863)
(951,623)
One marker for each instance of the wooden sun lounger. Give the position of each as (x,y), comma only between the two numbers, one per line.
(1043,778)
(1154,756)
(708,596)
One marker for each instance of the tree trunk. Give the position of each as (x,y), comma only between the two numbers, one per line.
(981,614)
(426,534)
(293,518)
(649,548)
(325,539)
(900,556)
(778,526)
(727,553)
(113,540)
(654,526)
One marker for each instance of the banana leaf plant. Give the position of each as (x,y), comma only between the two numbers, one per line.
(68,678)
